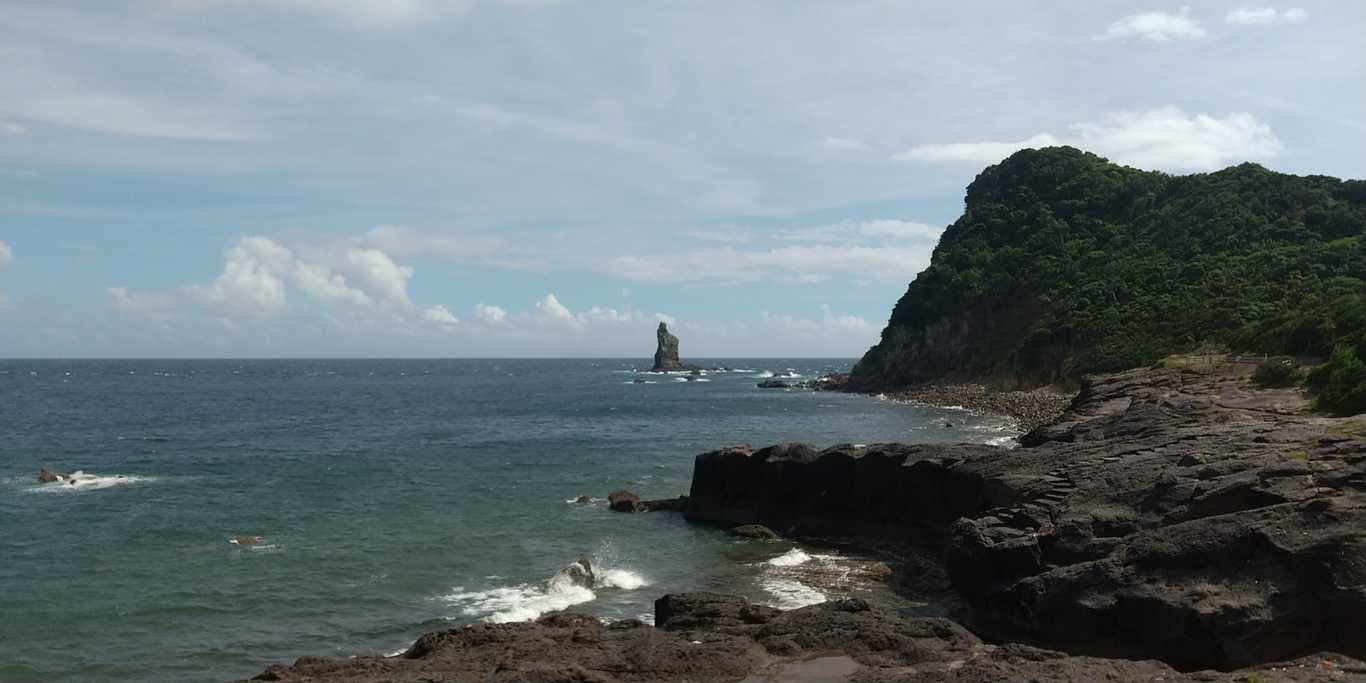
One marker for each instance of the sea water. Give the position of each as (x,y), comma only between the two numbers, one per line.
(227,515)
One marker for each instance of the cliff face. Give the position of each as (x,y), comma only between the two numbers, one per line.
(1064,264)
(1168,515)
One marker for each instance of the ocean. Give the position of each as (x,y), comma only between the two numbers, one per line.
(388,498)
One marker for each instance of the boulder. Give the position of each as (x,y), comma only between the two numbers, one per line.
(579,573)
(773,384)
(623,501)
(755,531)
(678,504)
(46,476)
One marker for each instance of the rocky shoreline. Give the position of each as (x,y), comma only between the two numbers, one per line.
(1167,521)
(710,637)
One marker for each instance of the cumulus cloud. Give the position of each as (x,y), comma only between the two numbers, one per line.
(6,254)
(491,315)
(258,273)
(828,326)
(550,308)
(1154,26)
(1266,15)
(1166,139)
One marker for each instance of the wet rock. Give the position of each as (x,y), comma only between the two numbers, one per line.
(708,637)
(579,573)
(46,476)
(1147,522)
(773,384)
(755,531)
(623,501)
(678,504)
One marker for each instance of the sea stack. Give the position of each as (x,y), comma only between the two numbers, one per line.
(666,356)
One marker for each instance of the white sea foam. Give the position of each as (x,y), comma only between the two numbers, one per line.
(523,602)
(680,379)
(1006,441)
(789,593)
(624,579)
(83,481)
(790,558)
(528,601)
(763,375)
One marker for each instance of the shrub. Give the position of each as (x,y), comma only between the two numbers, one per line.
(1339,384)
(1277,372)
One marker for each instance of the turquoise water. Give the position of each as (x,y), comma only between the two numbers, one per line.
(391,498)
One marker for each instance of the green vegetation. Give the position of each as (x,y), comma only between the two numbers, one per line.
(1064,264)
(1277,372)
(1339,384)
(1300,455)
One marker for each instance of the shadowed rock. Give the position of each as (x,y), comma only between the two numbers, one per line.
(666,353)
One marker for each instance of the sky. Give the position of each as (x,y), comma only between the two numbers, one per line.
(463,178)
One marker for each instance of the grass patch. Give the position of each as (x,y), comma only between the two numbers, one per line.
(1300,455)
(1198,363)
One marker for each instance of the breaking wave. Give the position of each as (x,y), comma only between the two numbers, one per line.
(528,601)
(83,481)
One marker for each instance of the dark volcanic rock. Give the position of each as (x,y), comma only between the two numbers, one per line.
(755,531)
(1166,515)
(46,476)
(706,638)
(666,354)
(773,384)
(580,573)
(623,501)
(678,504)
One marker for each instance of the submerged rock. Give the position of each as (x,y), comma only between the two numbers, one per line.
(773,384)
(579,573)
(623,501)
(755,531)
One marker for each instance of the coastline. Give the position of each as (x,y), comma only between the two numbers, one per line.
(1086,541)
(1029,409)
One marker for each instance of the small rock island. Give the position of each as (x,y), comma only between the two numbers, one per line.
(666,354)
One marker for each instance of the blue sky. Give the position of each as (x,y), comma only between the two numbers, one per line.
(541,178)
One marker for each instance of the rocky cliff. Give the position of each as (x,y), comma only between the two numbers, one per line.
(1064,264)
(666,351)
(1175,515)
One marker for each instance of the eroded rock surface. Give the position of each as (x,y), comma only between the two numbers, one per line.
(1170,515)
(706,637)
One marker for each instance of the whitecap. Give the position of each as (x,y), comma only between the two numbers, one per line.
(82,481)
(790,558)
(1006,441)
(647,618)
(762,375)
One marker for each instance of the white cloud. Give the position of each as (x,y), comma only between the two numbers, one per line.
(899,229)
(828,326)
(11,128)
(250,283)
(835,144)
(550,308)
(733,265)
(491,315)
(439,315)
(1154,26)
(360,285)
(1165,139)
(6,254)
(726,235)
(666,319)
(1266,15)
(973,152)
